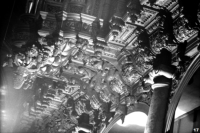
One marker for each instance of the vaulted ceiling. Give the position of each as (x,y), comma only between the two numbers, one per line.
(83,61)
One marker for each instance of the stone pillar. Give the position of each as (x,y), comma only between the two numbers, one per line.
(161,80)
(159,105)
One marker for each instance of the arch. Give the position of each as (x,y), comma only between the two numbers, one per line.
(142,107)
(184,81)
(174,102)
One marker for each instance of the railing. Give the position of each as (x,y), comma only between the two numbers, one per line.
(184,81)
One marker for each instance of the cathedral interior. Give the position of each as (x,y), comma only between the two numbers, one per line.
(100,66)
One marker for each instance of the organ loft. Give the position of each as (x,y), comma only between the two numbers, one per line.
(73,66)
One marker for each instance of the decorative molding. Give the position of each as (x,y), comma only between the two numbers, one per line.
(184,81)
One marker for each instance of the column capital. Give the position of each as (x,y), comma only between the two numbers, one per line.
(161,71)
(161,81)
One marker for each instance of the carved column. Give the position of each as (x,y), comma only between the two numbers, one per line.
(161,79)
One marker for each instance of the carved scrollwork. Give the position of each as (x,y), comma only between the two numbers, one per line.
(129,72)
(117,86)
(181,32)
(157,42)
